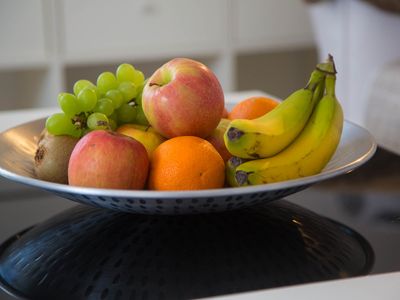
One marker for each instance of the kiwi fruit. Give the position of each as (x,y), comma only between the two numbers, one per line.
(52,157)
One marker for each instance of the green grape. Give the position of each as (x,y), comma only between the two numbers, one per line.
(104,106)
(87,99)
(98,94)
(81,84)
(125,72)
(138,99)
(68,104)
(126,113)
(85,131)
(98,121)
(60,124)
(141,87)
(128,90)
(112,123)
(116,97)
(141,117)
(138,78)
(106,81)
(114,116)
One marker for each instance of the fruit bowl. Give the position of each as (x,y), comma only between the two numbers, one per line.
(18,145)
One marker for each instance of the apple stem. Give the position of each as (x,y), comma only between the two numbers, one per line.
(154,83)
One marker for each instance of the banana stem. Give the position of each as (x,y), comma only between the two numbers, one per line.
(330,84)
(318,92)
(316,77)
(327,67)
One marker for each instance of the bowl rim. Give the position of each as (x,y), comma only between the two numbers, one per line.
(221,192)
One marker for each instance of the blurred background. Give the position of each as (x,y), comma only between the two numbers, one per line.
(46,45)
(265,45)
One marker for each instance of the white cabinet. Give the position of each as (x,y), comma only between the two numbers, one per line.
(102,29)
(43,42)
(271,24)
(22,37)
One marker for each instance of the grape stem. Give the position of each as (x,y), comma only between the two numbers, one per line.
(79,121)
(102,123)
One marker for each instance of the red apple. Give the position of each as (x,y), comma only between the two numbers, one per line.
(225,113)
(105,159)
(217,139)
(183,97)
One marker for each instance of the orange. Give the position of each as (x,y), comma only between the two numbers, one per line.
(186,163)
(252,108)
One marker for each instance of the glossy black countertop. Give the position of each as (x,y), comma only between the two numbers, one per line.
(367,201)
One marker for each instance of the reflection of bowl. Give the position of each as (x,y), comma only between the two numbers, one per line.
(17,147)
(92,253)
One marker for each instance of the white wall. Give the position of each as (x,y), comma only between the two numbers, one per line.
(47,44)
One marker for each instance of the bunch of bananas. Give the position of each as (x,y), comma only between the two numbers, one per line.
(296,139)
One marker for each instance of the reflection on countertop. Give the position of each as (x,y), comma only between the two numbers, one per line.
(367,200)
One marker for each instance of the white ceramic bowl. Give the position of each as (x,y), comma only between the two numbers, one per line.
(18,145)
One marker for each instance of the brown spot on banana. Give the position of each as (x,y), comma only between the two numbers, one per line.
(234,133)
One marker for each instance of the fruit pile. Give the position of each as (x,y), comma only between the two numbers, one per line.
(173,132)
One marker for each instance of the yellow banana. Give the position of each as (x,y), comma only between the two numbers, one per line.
(230,170)
(271,133)
(310,151)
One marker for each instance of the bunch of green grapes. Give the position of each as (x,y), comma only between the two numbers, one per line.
(115,99)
